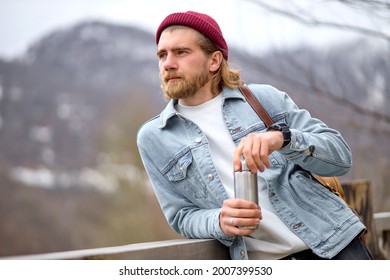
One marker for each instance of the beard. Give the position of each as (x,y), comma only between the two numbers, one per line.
(183,88)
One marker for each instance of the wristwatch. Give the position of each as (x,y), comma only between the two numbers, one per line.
(285,129)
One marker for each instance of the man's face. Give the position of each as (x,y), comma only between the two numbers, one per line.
(184,67)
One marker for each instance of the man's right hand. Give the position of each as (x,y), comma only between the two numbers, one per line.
(237,213)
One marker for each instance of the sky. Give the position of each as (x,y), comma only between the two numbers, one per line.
(243,23)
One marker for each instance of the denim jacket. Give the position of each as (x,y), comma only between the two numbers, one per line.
(177,159)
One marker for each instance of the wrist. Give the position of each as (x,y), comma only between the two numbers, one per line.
(285,129)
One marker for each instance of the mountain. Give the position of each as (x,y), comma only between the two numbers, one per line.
(57,95)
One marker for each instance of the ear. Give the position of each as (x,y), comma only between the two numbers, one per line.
(215,61)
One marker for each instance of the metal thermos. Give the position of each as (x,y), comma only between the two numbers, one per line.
(245,186)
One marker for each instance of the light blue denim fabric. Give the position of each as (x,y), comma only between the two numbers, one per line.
(177,159)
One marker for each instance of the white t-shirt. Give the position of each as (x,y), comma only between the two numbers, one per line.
(273,239)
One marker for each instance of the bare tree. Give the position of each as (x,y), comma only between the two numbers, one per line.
(376,11)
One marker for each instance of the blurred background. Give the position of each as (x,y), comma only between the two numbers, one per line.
(78,78)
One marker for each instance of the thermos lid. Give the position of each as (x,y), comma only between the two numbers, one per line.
(244,167)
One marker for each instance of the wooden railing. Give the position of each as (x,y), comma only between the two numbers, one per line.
(358,195)
(178,249)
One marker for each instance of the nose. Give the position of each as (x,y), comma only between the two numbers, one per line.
(169,62)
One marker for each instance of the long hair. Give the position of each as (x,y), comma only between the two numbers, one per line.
(225,75)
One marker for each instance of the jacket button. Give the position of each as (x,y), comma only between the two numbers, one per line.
(242,253)
(210,177)
(198,140)
(297,225)
(235,130)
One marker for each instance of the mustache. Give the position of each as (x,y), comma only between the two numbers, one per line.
(172,75)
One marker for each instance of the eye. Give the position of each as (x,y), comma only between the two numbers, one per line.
(161,56)
(182,52)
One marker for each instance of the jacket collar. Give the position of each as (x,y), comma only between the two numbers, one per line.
(170,110)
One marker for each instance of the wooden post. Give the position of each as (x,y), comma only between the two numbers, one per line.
(386,243)
(358,196)
(382,224)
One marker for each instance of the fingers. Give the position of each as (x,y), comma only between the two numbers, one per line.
(244,223)
(239,217)
(255,154)
(256,148)
(236,205)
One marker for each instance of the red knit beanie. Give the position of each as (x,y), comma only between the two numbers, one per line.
(200,22)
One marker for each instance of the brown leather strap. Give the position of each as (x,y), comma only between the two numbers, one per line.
(255,104)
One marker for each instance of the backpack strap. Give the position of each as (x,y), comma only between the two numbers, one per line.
(255,104)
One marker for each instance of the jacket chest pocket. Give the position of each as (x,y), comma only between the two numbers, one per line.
(184,177)
(178,170)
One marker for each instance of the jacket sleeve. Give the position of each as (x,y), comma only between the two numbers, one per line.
(182,215)
(314,146)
